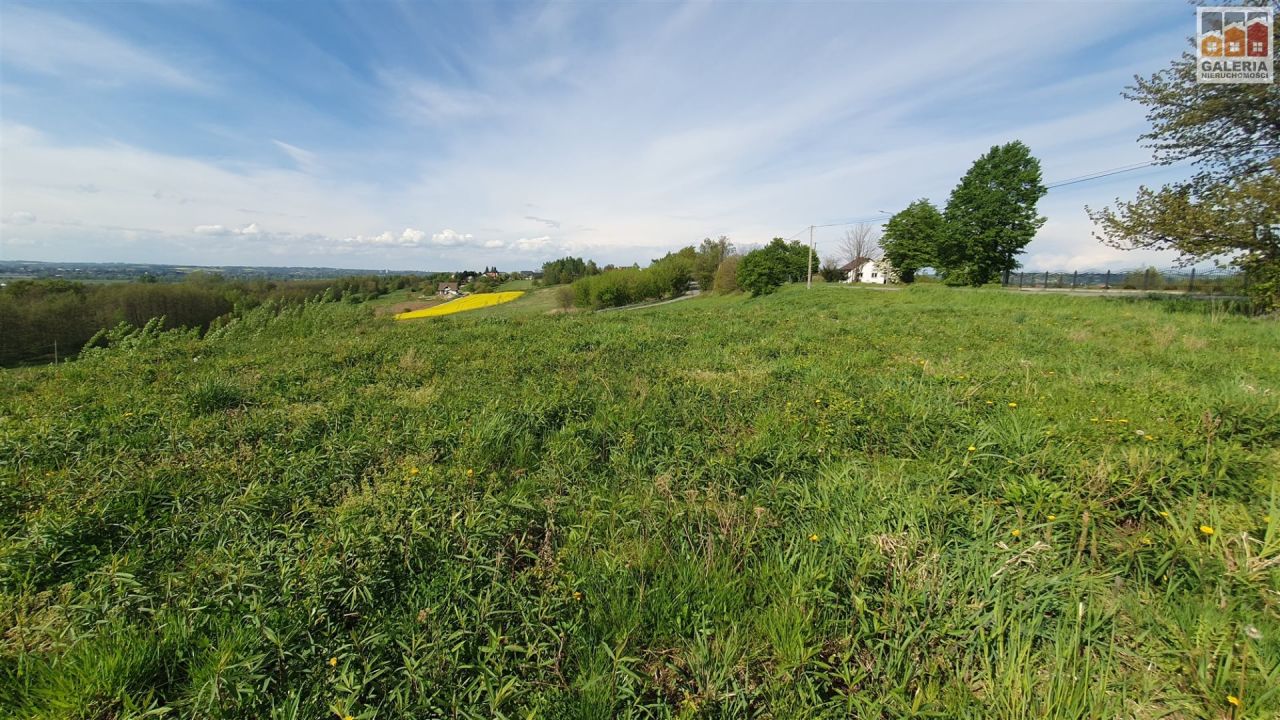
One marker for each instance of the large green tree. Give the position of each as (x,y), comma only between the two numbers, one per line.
(1230,207)
(911,239)
(991,215)
(709,256)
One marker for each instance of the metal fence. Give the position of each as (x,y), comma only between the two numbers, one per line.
(1163,280)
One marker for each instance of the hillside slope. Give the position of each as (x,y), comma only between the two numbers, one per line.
(815,504)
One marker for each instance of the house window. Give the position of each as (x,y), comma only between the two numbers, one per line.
(875,275)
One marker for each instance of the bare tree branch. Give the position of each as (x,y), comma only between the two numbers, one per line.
(860,241)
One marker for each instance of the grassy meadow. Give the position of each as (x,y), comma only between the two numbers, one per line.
(926,502)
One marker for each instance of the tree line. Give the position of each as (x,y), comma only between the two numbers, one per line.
(41,320)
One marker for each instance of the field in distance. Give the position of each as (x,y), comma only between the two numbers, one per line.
(826,503)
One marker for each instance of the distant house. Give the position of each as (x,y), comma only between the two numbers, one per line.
(866,270)
(492,275)
(447,288)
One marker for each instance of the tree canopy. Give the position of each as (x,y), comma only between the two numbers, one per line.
(566,270)
(991,215)
(911,239)
(764,270)
(1230,206)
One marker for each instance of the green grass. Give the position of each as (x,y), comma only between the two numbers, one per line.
(515,285)
(538,301)
(717,508)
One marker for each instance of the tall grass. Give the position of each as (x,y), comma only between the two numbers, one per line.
(833,503)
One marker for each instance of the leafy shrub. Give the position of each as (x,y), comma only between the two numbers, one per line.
(726,277)
(764,270)
(665,278)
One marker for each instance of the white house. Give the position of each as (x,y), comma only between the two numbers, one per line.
(866,270)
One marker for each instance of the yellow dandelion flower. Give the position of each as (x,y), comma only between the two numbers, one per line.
(972,448)
(1206,529)
(413,471)
(471,472)
(1052,518)
(349,717)
(1146,540)
(991,402)
(1164,514)
(1015,532)
(1013,404)
(577,595)
(1233,700)
(333,662)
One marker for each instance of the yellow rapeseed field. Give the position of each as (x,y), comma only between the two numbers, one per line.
(462,304)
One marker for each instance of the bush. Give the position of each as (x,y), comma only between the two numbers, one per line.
(564,297)
(726,277)
(665,278)
(761,272)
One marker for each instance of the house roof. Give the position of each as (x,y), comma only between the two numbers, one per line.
(856,263)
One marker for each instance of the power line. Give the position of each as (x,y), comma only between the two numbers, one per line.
(1097,175)
(1100,174)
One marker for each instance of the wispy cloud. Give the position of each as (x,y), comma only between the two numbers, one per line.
(51,44)
(650,126)
(420,99)
(305,160)
(544,221)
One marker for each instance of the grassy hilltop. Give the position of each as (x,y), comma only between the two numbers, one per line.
(833,503)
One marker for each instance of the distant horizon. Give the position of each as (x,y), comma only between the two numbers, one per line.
(1208,266)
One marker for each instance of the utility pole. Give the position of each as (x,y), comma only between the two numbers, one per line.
(810,283)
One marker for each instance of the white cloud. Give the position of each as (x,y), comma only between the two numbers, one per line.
(425,100)
(532,244)
(408,238)
(223,230)
(448,238)
(306,160)
(50,44)
(20,217)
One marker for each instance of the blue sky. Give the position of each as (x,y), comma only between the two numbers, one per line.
(414,135)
